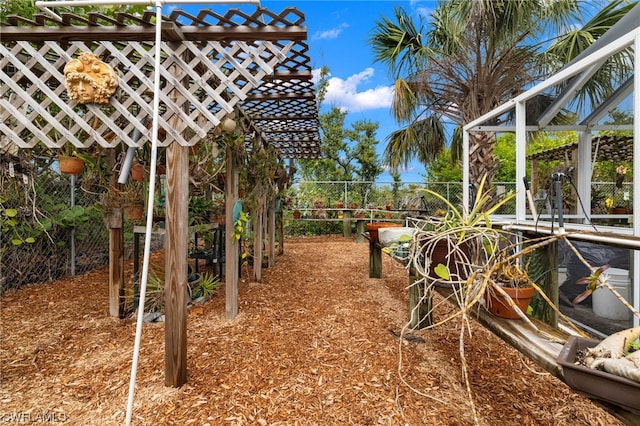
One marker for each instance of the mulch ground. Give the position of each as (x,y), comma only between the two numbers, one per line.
(316,343)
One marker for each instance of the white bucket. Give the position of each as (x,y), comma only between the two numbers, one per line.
(606,304)
(388,236)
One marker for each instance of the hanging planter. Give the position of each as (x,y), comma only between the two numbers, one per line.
(137,172)
(70,165)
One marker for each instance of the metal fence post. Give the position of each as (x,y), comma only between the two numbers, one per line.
(72,257)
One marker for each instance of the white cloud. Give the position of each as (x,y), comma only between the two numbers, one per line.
(329,34)
(344,93)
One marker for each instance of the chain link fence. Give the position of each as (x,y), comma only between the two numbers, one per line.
(54,234)
(52,228)
(315,199)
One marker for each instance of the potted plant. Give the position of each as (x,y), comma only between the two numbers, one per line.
(457,243)
(511,286)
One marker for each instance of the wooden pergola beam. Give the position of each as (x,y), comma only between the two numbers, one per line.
(170,32)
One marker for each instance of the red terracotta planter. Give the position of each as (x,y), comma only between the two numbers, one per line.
(70,165)
(500,307)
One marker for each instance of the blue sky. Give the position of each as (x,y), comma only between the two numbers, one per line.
(337,36)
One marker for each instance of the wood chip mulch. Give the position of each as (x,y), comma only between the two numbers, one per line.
(316,343)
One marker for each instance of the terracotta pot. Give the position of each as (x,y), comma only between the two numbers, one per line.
(70,165)
(296,215)
(500,307)
(134,211)
(373,229)
(452,258)
(137,172)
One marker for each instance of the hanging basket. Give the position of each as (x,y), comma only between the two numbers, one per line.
(70,165)
(137,172)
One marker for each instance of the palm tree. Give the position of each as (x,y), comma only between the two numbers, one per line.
(473,56)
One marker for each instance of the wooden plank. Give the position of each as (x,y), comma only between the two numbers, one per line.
(176,252)
(177,209)
(346,224)
(375,260)
(360,227)
(420,307)
(271,235)
(116,264)
(258,230)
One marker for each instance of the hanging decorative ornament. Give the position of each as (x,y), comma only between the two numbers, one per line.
(228,125)
(88,79)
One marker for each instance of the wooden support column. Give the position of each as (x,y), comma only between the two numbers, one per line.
(346,223)
(232,246)
(116,263)
(419,303)
(280,229)
(375,260)
(271,235)
(258,230)
(176,252)
(360,228)
(177,211)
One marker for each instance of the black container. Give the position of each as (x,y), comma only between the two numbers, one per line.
(597,384)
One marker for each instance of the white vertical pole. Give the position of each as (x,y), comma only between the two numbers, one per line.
(521,166)
(636,177)
(465,170)
(72,184)
(152,186)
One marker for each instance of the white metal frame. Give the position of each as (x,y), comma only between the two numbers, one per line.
(583,65)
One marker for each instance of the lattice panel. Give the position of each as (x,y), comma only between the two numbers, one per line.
(211,64)
(200,85)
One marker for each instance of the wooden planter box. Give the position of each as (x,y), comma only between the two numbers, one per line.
(597,384)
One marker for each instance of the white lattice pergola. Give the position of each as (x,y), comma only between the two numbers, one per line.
(252,64)
(255,64)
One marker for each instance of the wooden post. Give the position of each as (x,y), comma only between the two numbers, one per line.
(375,260)
(258,231)
(232,246)
(280,228)
(116,263)
(346,223)
(177,210)
(360,227)
(271,235)
(176,234)
(419,303)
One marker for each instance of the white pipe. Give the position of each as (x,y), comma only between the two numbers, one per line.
(126,165)
(578,235)
(70,3)
(636,176)
(152,185)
